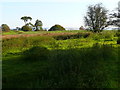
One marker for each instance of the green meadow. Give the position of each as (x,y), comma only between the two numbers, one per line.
(82,60)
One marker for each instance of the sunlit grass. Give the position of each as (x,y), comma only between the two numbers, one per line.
(14,32)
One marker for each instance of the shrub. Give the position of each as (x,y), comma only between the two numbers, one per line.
(118,41)
(26,28)
(5,27)
(57,28)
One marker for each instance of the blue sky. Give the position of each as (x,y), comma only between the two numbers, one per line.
(68,13)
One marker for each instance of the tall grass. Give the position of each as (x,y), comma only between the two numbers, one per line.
(43,62)
(23,43)
(94,67)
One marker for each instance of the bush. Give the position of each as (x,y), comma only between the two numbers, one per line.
(5,27)
(26,28)
(118,41)
(57,28)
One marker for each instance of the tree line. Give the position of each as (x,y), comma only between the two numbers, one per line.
(96,20)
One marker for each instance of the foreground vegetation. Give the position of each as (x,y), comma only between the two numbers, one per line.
(84,60)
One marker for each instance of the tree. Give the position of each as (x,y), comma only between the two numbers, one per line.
(57,28)
(26,28)
(17,28)
(38,25)
(81,28)
(115,17)
(5,27)
(26,18)
(96,19)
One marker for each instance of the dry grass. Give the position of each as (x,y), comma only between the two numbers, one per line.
(40,34)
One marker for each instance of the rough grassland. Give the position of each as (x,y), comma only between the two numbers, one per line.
(80,60)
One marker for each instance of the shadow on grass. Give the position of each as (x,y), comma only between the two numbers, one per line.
(38,67)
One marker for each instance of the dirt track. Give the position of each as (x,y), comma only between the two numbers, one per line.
(30,35)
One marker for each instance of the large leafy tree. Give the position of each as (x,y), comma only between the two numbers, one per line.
(5,27)
(26,18)
(115,17)
(38,25)
(96,18)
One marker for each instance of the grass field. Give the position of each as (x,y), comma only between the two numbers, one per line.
(14,32)
(82,60)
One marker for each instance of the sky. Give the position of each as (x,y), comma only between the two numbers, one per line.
(68,13)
